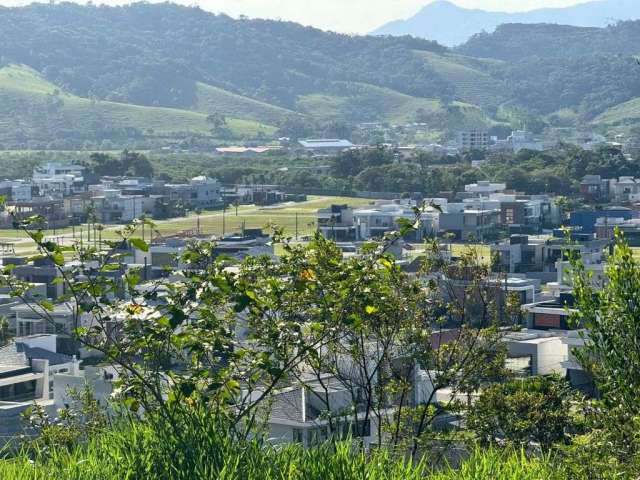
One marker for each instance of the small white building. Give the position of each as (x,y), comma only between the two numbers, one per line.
(484,187)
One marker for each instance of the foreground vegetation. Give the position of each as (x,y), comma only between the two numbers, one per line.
(202,450)
(201,367)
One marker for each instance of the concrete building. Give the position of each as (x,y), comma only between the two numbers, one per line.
(484,187)
(585,220)
(383,217)
(536,352)
(473,140)
(337,223)
(466,222)
(200,192)
(23,381)
(16,190)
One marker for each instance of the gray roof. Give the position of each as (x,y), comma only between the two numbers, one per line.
(19,354)
(43,354)
(326,143)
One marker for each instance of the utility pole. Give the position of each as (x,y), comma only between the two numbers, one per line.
(224,211)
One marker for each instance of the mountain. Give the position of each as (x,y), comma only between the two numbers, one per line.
(451,25)
(151,74)
(266,73)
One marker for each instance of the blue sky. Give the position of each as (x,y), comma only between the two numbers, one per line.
(349,16)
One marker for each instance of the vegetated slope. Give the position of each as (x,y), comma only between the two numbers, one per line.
(451,25)
(624,114)
(469,78)
(548,68)
(362,102)
(155,54)
(211,99)
(33,109)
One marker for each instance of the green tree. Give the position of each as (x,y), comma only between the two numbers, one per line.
(523,411)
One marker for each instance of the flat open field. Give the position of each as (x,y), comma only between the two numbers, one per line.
(288,216)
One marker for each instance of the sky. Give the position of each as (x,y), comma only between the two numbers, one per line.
(346,16)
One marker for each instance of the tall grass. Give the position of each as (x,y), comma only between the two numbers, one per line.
(202,449)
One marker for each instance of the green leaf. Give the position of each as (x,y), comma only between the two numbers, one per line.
(58,258)
(47,305)
(139,244)
(370,309)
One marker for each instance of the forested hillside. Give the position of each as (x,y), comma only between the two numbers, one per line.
(110,71)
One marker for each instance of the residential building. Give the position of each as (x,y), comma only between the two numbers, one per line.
(56,181)
(523,140)
(606,226)
(383,217)
(473,140)
(23,382)
(62,320)
(594,188)
(16,190)
(485,187)
(115,207)
(200,192)
(585,220)
(466,222)
(337,223)
(536,352)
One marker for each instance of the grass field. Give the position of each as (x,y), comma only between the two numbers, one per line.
(302,214)
(211,99)
(389,104)
(37,109)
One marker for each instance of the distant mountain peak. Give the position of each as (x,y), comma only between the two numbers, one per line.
(451,25)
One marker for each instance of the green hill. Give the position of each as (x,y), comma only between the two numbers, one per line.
(211,99)
(34,109)
(623,114)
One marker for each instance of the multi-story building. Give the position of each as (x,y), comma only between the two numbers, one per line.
(473,140)
(337,223)
(467,222)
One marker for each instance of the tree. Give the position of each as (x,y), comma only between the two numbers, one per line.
(521,412)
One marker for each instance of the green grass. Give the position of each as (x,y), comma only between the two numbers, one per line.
(625,113)
(380,103)
(211,99)
(36,109)
(470,82)
(211,222)
(202,450)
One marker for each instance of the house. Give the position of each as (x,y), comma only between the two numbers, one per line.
(606,226)
(625,189)
(519,254)
(383,217)
(300,414)
(473,140)
(62,320)
(200,192)
(594,188)
(523,140)
(466,223)
(23,382)
(337,223)
(554,315)
(55,181)
(325,145)
(536,352)
(115,207)
(585,220)
(484,187)
(16,190)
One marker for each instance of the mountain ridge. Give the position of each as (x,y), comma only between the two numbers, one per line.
(451,25)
